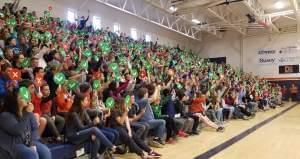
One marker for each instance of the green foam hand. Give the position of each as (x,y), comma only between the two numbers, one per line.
(48,35)
(110,102)
(96,84)
(35,35)
(87,53)
(117,77)
(147,65)
(59,78)
(96,58)
(114,67)
(84,64)
(79,42)
(127,100)
(47,14)
(76,57)
(105,47)
(11,22)
(72,84)
(62,52)
(179,86)
(25,94)
(134,73)
(25,63)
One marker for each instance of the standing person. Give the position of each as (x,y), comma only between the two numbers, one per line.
(82,21)
(80,129)
(18,131)
(119,120)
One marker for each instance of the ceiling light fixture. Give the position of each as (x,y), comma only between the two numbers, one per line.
(195,21)
(173,8)
(279,5)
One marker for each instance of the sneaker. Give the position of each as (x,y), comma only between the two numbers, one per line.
(171,141)
(154,154)
(220,129)
(182,134)
(159,141)
(155,144)
(195,133)
(146,157)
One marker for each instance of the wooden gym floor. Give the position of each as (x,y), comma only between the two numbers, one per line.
(278,139)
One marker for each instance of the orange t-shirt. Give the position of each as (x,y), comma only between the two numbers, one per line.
(197,105)
(63,101)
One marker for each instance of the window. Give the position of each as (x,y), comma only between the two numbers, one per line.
(96,22)
(71,16)
(148,38)
(133,33)
(117,28)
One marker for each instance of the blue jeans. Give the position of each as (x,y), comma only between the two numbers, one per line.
(158,126)
(24,152)
(111,134)
(84,136)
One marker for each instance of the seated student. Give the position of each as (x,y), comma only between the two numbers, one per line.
(5,83)
(197,110)
(64,100)
(18,131)
(135,113)
(228,104)
(102,113)
(36,101)
(119,120)
(250,101)
(80,129)
(215,111)
(158,126)
(241,105)
(55,122)
(183,115)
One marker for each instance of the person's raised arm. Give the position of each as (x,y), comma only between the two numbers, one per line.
(156,94)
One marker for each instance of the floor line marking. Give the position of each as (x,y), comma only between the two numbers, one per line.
(231,141)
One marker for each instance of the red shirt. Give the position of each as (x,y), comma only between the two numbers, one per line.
(46,107)
(36,103)
(197,105)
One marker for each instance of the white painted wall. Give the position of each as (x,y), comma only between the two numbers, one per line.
(252,45)
(109,16)
(243,52)
(229,46)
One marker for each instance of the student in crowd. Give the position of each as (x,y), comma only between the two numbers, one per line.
(55,122)
(119,120)
(135,113)
(158,126)
(182,115)
(19,129)
(81,129)
(36,96)
(197,110)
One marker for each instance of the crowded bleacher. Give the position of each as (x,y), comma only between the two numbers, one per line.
(66,87)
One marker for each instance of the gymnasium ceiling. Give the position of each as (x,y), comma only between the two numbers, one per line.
(195,18)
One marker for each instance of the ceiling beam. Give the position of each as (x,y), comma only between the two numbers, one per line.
(295,6)
(165,10)
(156,21)
(226,20)
(256,8)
